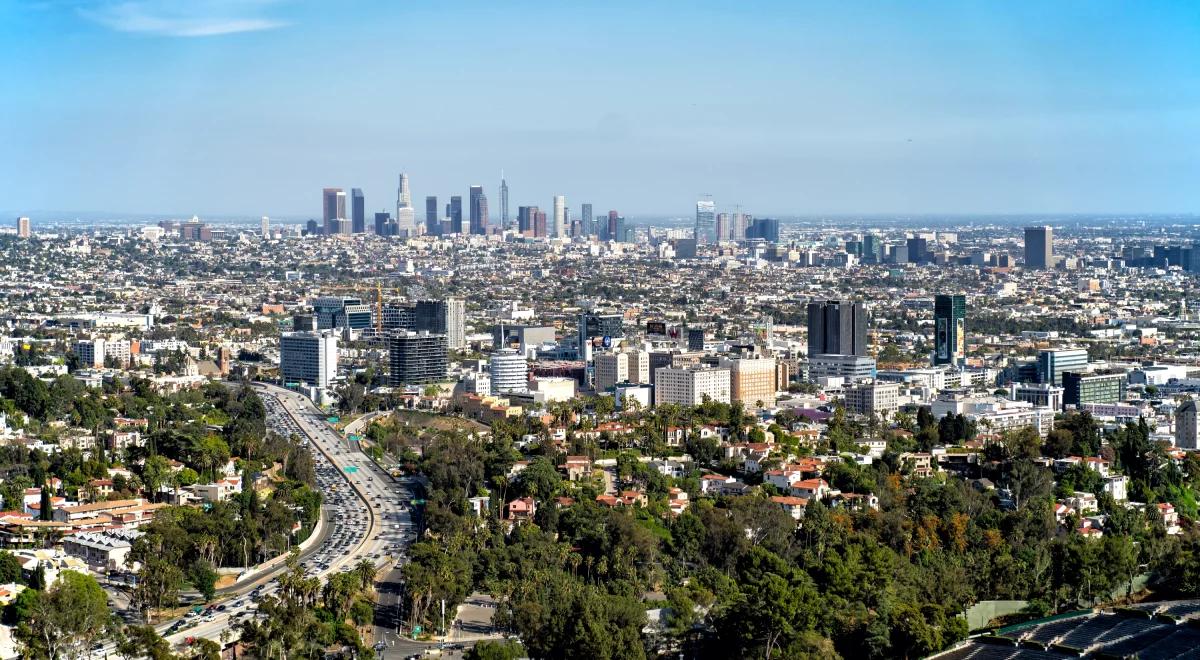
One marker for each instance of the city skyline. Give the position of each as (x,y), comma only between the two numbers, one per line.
(1020,108)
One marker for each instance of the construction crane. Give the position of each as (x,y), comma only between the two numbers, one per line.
(378,309)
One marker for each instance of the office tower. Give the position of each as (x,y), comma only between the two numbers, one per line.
(705,231)
(399,317)
(539,223)
(918,250)
(852,368)
(341,312)
(383,220)
(432,219)
(1039,247)
(509,372)
(23,227)
(597,328)
(308,357)
(417,358)
(690,386)
(589,223)
(455,214)
(264,227)
(560,216)
(695,338)
(872,249)
(524,221)
(1187,425)
(766,229)
(751,380)
(333,207)
(1080,389)
(722,228)
(445,317)
(949,318)
(358,211)
(479,211)
(741,222)
(1053,363)
(837,328)
(503,201)
(312,228)
(873,397)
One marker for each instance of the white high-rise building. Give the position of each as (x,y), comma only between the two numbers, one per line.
(689,386)
(625,367)
(308,357)
(560,216)
(509,371)
(406,215)
(265,227)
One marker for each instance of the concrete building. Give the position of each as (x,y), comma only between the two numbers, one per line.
(1039,394)
(850,367)
(560,216)
(1039,247)
(950,338)
(873,397)
(23,230)
(837,328)
(308,357)
(689,386)
(509,372)
(622,367)
(417,358)
(752,380)
(90,352)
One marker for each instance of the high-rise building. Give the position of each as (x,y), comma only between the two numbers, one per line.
(741,222)
(872,249)
(560,216)
(918,250)
(706,231)
(1187,425)
(1039,247)
(417,358)
(383,221)
(837,328)
(23,227)
(333,207)
(585,216)
(539,223)
(690,386)
(623,367)
(1053,363)
(90,352)
(358,211)
(264,226)
(594,326)
(950,318)
(478,210)
(526,215)
(503,201)
(308,357)
(509,372)
(433,220)
(766,229)
(1079,388)
(612,230)
(723,227)
(456,218)
(752,380)
(445,317)
(873,397)
(341,312)
(852,368)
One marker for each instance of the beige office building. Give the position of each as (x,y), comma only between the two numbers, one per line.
(752,379)
(689,386)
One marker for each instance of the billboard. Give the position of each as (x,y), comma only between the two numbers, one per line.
(656,328)
(943,339)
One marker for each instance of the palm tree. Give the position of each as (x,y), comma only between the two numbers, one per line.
(366,571)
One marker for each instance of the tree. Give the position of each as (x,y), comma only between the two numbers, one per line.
(540,480)
(144,642)
(67,619)
(10,568)
(203,577)
(46,506)
(495,650)
(158,585)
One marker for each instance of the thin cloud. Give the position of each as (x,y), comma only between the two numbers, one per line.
(176,18)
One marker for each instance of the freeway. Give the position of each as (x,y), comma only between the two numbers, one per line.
(365,508)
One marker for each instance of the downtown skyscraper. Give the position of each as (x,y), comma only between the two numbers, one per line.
(433,219)
(333,207)
(1039,247)
(406,218)
(706,221)
(479,211)
(837,328)
(560,216)
(503,201)
(455,213)
(358,211)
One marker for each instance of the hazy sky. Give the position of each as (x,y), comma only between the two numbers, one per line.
(252,106)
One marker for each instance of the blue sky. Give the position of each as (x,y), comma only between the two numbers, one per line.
(799,108)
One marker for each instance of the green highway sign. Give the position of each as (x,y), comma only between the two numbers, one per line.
(350,469)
